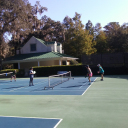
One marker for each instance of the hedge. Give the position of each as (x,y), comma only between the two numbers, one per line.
(76,70)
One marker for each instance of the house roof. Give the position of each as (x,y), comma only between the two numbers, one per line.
(43,42)
(36,57)
(47,43)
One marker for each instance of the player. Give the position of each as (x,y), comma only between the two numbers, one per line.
(89,74)
(101,71)
(13,76)
(31,74)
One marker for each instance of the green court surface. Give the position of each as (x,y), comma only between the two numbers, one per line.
(103,105)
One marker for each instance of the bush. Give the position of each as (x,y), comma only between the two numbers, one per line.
(76,70)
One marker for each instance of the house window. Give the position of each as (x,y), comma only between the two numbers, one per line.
(33,47)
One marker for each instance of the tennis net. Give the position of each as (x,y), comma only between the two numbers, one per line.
(5,75)
(55,80)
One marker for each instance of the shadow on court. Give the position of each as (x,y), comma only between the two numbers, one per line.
(72,86)
(14,87)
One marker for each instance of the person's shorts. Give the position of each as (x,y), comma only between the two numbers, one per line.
(31,78)
(90,74)
(102,73)
(12,76)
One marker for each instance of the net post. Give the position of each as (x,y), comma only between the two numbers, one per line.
(49,81)
(61,78)
(70,74)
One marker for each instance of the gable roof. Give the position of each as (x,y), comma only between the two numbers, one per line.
(43,42)
(36,57)
(47,43)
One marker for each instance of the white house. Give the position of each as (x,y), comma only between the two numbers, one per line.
(37,52)
(35,45)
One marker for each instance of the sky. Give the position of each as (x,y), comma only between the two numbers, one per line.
(97,11)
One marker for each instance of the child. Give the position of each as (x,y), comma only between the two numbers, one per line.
(13,76)
(101,71)
(31,74)
(89,74)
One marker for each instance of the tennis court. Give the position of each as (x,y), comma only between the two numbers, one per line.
(103,105)
(74,86)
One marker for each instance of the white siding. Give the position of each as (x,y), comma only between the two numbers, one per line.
(39,46)
(59,48)
(55,47)
(52,47)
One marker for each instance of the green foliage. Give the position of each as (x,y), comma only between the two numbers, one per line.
(73,62)
(76,70)
(19,19)
(78,41)
(9,70)
(102,45)
(117,37)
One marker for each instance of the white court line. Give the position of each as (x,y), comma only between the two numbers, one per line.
(48,91)
(17,88)
(58,123)
(88,87)
(37,118)
(30,117)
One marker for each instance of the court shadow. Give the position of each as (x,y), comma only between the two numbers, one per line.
(13,87)
(72,86)
(83,82)
(41,89)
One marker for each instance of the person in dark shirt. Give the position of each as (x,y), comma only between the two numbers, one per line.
(31,74)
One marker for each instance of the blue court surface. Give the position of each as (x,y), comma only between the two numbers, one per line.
(76,86)
(21,122)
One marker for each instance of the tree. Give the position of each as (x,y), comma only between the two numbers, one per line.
(89,27)
(97,29)
(13,17)
(124,29)
(78,41)
(117,37)
(17,17)
(111,31)
(4,49)
(35,10)
(101,42)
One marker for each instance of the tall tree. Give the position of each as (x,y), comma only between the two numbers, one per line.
(89,26)
(101,42)
(35,10)
(97,29)
(78,41)
(124,37)
(101,39)
(14,17)
(117,37)
(17,17)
